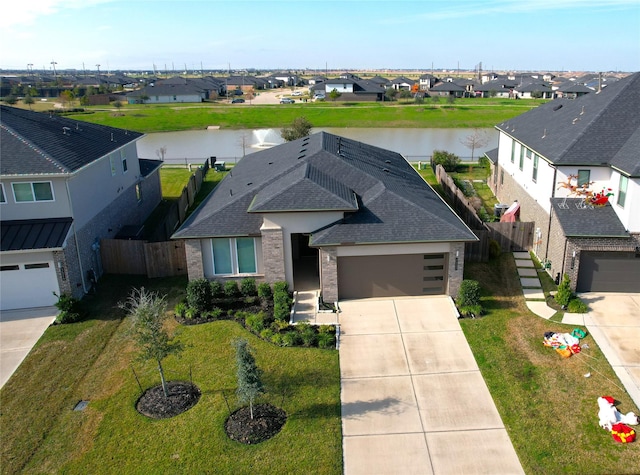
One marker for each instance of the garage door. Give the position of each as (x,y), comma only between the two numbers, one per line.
(609,272)
(391,276)
(28,285)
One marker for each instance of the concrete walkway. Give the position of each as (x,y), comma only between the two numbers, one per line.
(20,330)
(613,320)
(413,398)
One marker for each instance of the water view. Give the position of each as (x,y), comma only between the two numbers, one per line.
(195,146)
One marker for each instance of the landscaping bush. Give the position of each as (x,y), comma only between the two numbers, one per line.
(255,322)
(267,334)
(577,306)
(448,160)
(231,289)
(279,325)
(291,338)
(469,293)
(280,286)
(326,340)
(217,289)
(199,294)
(264,291)
(307,333)
(494,249)
(180,309)
(564,294)
(69,308)
(248,287)
(213,314)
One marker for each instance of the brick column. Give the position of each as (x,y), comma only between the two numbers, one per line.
(454,275)
(193,251)
(329,274)
(273,254)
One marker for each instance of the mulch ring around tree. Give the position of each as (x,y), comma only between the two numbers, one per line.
(182,397)
(267,422)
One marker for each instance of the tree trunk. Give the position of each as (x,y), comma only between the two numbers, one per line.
(164,381)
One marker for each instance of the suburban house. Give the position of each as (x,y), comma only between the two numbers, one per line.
(350,219)
(573,166)
(64,186)
(402,83)
(351,89)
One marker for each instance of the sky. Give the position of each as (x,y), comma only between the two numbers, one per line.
(517,35)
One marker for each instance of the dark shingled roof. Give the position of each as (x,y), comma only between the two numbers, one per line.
(597,129)
(385,200)
(30,234)
(580,221)
(34,143)
(147,167)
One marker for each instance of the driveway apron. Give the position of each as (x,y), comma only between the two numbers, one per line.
(20,330)
(413,398)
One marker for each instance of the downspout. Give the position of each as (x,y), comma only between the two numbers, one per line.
(553,195)
(75,236)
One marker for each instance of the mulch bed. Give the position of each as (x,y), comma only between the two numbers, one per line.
(267,422)
(182,397)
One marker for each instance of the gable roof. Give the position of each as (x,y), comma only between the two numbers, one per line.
(597,129)
(383,198)
(34,143)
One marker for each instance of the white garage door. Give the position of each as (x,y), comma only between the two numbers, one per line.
(28,285)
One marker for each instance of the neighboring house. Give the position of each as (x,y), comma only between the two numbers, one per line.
(596,140)
(571,90)
(351,89)
(158,93)
(64,186)
(427,81)
(330,213)
(534,90)
(446,89)
(402,83)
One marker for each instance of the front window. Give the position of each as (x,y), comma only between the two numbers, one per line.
(29,192)
(622,190)
(234,256)
(584,177)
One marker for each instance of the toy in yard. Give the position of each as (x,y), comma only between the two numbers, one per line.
(615,422)
(566,344)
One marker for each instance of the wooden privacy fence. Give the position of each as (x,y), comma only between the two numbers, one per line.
(516,236)
(153,259)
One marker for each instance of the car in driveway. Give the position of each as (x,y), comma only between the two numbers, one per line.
(296,93)
(286,100)
(237,101)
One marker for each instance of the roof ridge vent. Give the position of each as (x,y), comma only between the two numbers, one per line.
(582,111)
(112,137)
(67,131)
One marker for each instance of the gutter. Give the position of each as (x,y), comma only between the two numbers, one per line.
(75,235)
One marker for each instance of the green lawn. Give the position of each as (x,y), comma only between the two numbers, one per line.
(94,360)
(464,113)
(547,405)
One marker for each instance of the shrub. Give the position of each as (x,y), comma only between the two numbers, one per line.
(326,340)
(180,309)
(281,311)
(264,291)
(217,289)
(190,313)
(280,286)
(307,334)
(248,287)
(213,314)
(277,339)
(267,334)
(564,292)
(279,325)
(255,322)
(448,160)
(326,329)
(69,308)
(494,249)
(199,294)
(471,311)
(577,306)
(291,338)
(469,293)
(231,289)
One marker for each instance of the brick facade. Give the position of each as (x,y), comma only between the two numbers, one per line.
(273,254)
(507,190)
(455,275)
(193,252)
(329,274)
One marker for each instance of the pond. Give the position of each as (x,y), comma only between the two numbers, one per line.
(195,146)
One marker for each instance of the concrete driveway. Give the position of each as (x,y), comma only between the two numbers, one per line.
(20,330)
(413,398)
(614,322)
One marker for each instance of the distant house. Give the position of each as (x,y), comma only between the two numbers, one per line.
(534,90)
(351,89)
(64,186)
(330,213)
(560,161)
(427,81)
(402,83)
(167,94)
(570,90)
(446,89)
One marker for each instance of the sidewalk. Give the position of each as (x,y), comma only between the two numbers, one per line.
(613,321)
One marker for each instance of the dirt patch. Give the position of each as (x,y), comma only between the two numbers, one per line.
(267,422)
(182,397)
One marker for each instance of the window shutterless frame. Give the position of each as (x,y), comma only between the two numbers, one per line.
(30,192)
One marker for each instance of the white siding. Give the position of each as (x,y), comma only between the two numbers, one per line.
(59,208)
